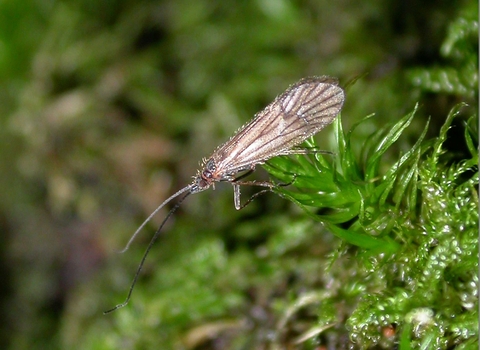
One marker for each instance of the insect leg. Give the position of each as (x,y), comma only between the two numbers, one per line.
(236,190)
(270,185)
(236,196)
(296,151)
(231,177)
(251,199)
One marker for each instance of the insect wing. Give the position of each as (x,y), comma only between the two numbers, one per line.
(300,112)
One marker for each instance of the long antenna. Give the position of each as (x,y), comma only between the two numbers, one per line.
(187,188)
(150,245)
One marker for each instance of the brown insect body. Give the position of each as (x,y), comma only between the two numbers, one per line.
(300,112)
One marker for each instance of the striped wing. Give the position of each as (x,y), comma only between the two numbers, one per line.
(300,112)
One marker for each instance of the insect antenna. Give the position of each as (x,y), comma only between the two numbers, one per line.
(152,242)
(187,188)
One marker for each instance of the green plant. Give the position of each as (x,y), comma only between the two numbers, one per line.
(414,223)
(414,226)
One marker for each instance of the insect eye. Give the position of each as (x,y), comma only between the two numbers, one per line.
(211,165)
(207,174)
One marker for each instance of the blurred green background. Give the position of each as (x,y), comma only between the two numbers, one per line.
(107,108)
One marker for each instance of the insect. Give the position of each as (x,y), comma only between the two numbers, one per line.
(304,109)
